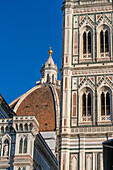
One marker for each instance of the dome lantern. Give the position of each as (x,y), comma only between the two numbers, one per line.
(49,70)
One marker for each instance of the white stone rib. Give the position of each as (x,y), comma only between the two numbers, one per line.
(24,96)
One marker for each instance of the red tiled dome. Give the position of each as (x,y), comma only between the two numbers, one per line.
(38,102)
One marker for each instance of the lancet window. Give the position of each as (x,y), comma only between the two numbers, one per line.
(105,104)
(86,100)
(48,78)
(87,42)
(23,145)
(52,78)
(104,41)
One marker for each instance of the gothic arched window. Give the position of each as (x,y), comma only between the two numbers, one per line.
(26,126)
(104,41)
(101,42)
(86,105)
(89,105)
(102,104)
(84,43)
(21,127)
(23,145)
(87,42)
(105,104)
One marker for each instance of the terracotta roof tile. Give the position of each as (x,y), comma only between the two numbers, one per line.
(40,103)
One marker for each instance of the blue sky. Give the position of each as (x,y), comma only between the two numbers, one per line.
(27,29)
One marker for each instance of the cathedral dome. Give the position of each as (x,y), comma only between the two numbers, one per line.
(40,102)
(43,100)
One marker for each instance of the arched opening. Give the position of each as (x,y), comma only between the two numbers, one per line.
(7,129)
(84,43)
(102,104)
(89,105)
(101,42)
(89,42)
(52,78)
(25,145)
(21,127)
(84,104)
(47,77)
(21,145)
(31,126)
(74,163)
(26,127)
(106,41)
(107,103)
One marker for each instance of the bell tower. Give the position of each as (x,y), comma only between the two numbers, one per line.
(87,83)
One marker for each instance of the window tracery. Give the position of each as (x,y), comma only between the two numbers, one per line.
(105,104)
(86,106)
(86,43)
(23,145)
(103,42)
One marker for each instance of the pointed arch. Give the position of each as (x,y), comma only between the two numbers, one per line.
(25,145)
(101,41)
(84,43)
(84,104)
(20,145)
(106,41)
(104,104)
(89,42)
